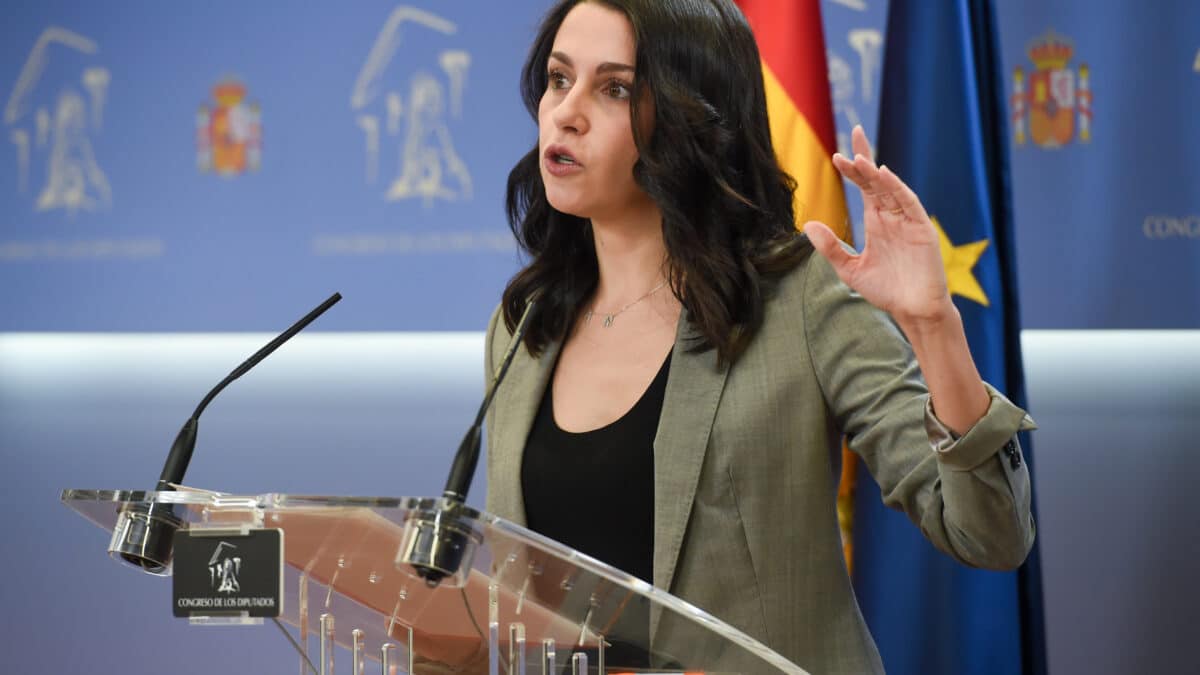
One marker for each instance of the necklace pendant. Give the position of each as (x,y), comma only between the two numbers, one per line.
(608,319)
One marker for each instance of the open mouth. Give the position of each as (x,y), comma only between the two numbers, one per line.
(558,155)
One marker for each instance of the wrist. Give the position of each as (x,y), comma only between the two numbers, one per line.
(931,321)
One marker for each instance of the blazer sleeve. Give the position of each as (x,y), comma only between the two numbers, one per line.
(971,501)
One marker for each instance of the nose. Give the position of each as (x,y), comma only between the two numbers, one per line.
(570,113)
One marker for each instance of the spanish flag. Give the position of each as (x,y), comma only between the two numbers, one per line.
(791,42)
(792,45)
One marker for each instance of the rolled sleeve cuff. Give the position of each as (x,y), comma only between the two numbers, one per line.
(998,425)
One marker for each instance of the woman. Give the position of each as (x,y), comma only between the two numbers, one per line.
(693,361)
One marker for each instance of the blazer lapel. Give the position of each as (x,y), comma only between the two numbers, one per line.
(694,386)
(517,403)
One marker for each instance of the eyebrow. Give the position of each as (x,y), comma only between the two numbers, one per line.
(606,67)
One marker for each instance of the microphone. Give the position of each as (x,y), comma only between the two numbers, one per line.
(144,536)
(462,470)
(185,441)
(436,545)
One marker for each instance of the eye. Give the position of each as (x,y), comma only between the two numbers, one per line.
(618,89)
(555,79)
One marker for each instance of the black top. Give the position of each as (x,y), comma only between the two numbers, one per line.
(594,491)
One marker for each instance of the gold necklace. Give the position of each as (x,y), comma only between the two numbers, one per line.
(608,318)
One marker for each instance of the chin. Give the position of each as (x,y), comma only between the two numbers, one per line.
(567,205)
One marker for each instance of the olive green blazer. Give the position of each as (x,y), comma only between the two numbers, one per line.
(747,459)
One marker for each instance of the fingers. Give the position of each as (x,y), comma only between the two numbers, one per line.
(828,245)
(863,173)
(849,169)
(859,143)
(881,188)
(860,170)
(905,200)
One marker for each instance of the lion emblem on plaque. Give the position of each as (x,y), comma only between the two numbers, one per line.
(1056,102)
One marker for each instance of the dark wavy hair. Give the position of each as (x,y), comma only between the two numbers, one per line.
(708,164)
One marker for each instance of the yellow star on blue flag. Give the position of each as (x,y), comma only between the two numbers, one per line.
(959,262)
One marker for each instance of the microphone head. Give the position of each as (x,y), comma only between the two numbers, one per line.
(144,537)
(439,546)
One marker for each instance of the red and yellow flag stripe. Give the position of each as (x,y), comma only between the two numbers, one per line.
(791,42)
(792,45)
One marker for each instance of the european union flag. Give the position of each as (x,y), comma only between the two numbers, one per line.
(942,130)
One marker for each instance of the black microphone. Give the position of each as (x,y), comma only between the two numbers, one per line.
(439,542)
(185,441)
(144,536)
(462,470)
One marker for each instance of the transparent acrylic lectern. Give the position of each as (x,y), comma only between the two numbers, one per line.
(520,604)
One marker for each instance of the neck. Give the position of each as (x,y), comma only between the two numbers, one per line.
(631,255)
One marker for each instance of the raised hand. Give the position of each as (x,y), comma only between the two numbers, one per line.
(900,268)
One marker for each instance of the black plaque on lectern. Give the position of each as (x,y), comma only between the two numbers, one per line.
(222,573)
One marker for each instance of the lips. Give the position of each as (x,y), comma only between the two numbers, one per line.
(559,161)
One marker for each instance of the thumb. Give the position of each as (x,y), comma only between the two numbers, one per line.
(828,245)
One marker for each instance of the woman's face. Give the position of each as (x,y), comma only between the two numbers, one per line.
(584,131)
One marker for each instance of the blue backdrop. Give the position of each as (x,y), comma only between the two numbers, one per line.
(382,134)
(385,134)
(1105,174)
